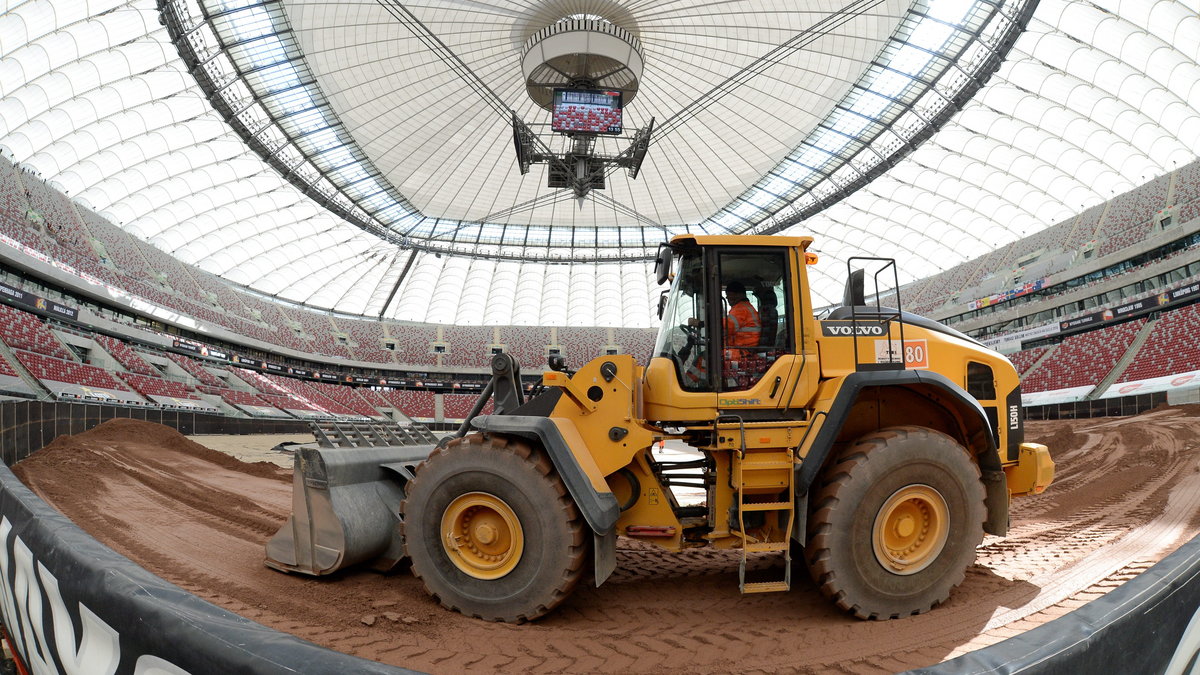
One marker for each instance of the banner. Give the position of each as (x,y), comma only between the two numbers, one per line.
(1005,296)
(1136,307)
(37,302)
(247,361)
(202,350)
(1021,336)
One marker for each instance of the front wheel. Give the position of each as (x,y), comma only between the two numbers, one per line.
(491,530)
(895,523)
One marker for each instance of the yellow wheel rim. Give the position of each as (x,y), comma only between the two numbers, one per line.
(482,535)
(911,529)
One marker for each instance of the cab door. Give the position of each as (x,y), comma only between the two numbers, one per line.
(759,360)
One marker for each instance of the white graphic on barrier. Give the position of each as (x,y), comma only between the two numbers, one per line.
(152,665)
(98,651)
(1184,661)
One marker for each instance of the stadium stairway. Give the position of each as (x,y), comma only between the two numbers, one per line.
(65,343)
(35,385)
(220,404)
(1038,364)
(1123,362)
(99,356)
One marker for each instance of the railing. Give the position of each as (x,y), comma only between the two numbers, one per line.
(28,426)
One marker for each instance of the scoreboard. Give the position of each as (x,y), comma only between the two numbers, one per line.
(586,111)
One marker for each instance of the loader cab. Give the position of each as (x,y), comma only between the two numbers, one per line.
(727,321)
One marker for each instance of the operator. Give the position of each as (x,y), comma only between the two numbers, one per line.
(742,328)
(742,324)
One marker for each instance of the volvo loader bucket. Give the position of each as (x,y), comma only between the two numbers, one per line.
(345,508)
(346,494)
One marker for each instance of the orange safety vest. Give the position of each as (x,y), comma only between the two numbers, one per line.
(741,329)
(697,372)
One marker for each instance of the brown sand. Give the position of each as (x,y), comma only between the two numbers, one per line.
(1127,493)
(254,448)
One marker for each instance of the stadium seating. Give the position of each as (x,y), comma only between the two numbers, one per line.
(639,343)
(126,356)
(318,326)
(22,330)
(412,343)
(1083,359)
(275,393)
(347,397)
(7,369)
(138,259)
(60,217)
(468,346)
(1024,359)
(457,406)
(373,398)
(307,391)
(415,404)
(14,204)
(1128,219)
(1172,347)
(527,344)
(196,369)
(368,337)
(71,372)
(233,396)
(157,386)
(581,345)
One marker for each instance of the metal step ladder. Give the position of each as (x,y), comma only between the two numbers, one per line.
(765,474)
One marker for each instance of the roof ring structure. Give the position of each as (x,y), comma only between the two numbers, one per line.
(584,51)
(360,119)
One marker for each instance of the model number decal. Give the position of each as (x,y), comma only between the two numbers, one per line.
(914,352)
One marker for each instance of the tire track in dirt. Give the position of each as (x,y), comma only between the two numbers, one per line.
(1128,492)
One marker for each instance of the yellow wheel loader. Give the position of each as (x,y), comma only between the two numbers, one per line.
(875,444)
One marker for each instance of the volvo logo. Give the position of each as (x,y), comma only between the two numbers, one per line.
(853,328)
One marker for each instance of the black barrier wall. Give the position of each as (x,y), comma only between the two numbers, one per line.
(72,605)
(1107,407)
(28,426)
(1150,624)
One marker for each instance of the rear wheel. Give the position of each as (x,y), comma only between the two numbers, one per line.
(491,530)
(895,523)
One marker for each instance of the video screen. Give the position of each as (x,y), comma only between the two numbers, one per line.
(586,111)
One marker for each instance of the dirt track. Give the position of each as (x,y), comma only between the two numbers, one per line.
(1127,493)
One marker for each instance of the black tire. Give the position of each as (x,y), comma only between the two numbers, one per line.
(525,486)
(850,531)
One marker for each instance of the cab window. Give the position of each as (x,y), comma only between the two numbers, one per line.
(684,337)
(755,309)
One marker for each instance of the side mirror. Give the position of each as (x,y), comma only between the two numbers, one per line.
(854,295)
(662,265)
(662,304)
(557,362)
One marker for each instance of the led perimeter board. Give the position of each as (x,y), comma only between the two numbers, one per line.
(586,111)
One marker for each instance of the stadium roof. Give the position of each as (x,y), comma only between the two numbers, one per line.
(359,155)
